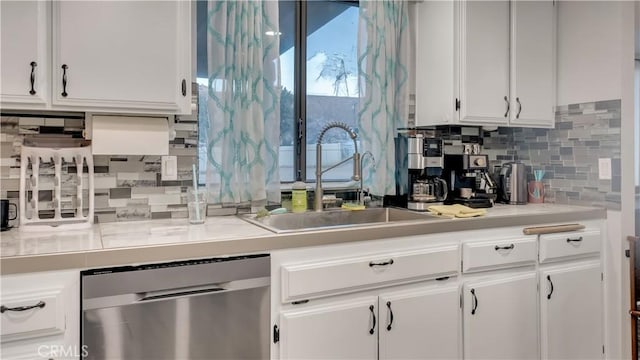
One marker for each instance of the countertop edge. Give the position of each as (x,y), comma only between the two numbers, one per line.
(212,248)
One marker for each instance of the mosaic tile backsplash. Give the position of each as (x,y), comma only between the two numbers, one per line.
(126,187)
(131,188)
(568,153)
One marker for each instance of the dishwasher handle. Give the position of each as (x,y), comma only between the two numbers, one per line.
(175,293)
(178,293)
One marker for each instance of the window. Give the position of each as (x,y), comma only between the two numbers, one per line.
(318,56)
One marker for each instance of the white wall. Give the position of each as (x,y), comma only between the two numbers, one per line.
(589,51)
(595,62)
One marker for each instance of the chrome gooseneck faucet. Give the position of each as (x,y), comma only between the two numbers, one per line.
(356,160)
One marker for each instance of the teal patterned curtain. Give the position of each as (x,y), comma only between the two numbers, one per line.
(383,62)
(243,102)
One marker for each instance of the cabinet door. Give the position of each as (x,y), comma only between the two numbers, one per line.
(338,330)
(24,29)
(420,324)
(571,309)
(484,62)
(533,63)
(501,317)
(122,54)
(436,82)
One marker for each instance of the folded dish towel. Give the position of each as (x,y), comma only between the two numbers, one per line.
(456,210)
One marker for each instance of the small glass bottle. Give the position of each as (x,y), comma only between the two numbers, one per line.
(299,196)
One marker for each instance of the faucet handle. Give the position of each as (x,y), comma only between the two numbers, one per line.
(356,167)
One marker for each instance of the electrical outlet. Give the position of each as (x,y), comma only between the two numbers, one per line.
(604,168)
(169,165)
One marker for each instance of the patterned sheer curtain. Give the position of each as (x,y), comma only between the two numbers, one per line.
(243,103)
(383,63)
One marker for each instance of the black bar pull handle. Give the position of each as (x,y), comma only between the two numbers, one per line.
(550,287)
(474,302)
(569,240)
(384,263)
(64,80)
(519,108)
(373,315)
(391,316)
(40,305)
(506,99)
(184,87)
(33,77)
(510,247)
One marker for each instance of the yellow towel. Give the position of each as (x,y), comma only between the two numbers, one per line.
(456,210)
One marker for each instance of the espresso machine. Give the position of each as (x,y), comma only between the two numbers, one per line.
(421,169)
(468,180)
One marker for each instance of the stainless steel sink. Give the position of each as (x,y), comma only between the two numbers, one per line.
(284,223)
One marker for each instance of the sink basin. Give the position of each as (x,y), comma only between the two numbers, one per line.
(297,222)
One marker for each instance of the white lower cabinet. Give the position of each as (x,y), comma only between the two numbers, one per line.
(422,323)
(40,315)
(336,330)
(571,311)
(500,317)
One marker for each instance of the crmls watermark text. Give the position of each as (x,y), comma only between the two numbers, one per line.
(63,351)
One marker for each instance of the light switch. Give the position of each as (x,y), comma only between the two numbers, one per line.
(604,168)
(169,168)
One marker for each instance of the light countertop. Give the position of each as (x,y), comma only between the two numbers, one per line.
(123,243)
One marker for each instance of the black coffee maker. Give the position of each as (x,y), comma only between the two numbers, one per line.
(468,180)
(419,167)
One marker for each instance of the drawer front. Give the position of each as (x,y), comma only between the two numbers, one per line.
(486,255)
(570,244)
(313,280)
(47,318)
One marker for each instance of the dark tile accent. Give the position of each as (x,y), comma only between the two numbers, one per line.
(608,104)
(566,151)
(616,167)
(161,215)
(45,195)
(565,170)
(592,143)
(615,123)
(171,183)
(120,193)
(13,194)
(616,183)
(539,145)
(564,125)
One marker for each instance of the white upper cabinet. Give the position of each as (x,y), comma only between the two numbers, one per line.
(485,63)
(24,53)
(127,54)
(533,90)
(98,56)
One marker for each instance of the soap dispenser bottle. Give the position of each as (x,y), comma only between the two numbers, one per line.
(299,196)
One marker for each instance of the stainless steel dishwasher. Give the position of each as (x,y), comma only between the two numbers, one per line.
(201,309)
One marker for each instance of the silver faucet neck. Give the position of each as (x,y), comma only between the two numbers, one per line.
(356,159)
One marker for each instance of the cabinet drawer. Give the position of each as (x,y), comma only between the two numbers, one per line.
(317,279)
(478,256)
(576,243)
(43,314)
